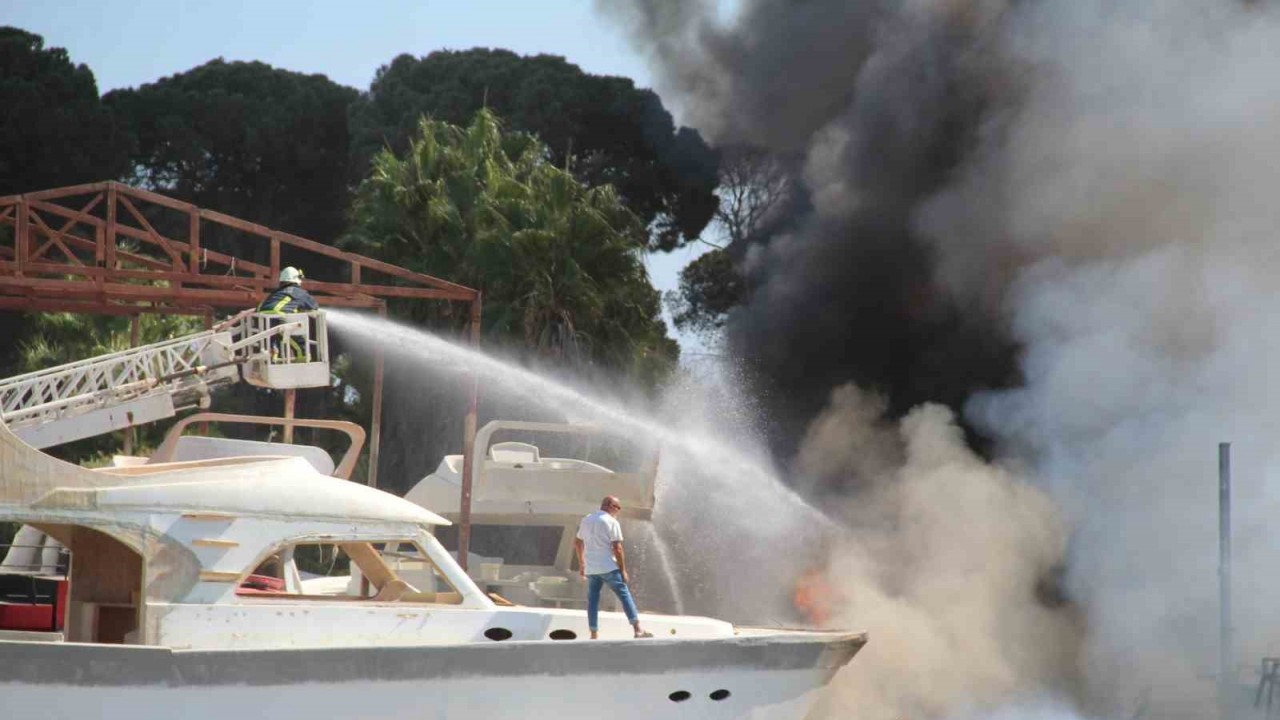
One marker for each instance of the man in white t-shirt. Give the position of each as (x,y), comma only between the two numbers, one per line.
(602,562)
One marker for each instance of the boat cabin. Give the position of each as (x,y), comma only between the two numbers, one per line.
(525,510)
(158,552)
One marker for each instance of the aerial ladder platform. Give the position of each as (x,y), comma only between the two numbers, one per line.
(152,382)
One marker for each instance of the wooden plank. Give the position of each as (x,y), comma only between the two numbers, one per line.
(216,576)
(61,192)
(208,516)
(151,197)
(87,209)
(112,199)
(53,240)
(275,256)
(208,255)
(215,542)
(249,297)
(251,286)
(114,254)
(51,268)
(237,223)
(20,235)
(193,246)
(105,570)
(66,212)
(416,293)
(369,562)
(469,443)
(134,295)
(99,246)
(65,230)
(375,434)
(93,307)
(98,233)
(104,246)
(464,292)
(156,237)
(290,402)
(326,293)
(225,281)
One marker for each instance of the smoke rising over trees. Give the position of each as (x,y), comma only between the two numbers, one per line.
(870,107)
(1072,201)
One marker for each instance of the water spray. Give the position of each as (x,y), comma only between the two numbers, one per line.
(520,380)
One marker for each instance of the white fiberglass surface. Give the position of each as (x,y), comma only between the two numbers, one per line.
(758,695)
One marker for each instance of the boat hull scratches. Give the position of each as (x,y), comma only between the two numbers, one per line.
(765,678)
(125,665)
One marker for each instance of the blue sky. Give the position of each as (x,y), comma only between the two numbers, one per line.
(131,43)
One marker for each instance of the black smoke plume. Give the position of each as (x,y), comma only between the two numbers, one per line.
(874,105)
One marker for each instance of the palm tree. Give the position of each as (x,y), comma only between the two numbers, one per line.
(560,263)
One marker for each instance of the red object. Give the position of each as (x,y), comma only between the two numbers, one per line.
(260,585)
(64,589)
(36,617)
(16,616)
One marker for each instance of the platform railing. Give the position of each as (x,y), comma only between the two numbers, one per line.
(175,373)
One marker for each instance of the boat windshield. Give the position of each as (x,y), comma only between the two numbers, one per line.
(392,571)
(514,544)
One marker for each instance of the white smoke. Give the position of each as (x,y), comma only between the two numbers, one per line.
(945,565)
(1118,211)
(1129,206)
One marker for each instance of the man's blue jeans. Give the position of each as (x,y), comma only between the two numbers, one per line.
(619,587)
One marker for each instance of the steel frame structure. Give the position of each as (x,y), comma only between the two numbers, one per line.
(101,248)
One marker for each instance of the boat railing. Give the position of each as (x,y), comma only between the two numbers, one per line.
(636,489)
(38,566)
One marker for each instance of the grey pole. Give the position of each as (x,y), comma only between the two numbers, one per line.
(1226,666)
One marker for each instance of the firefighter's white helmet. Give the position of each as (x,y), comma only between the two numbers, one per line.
(291,275)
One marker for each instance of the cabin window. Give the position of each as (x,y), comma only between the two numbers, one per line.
(33,584)
(95,599)
(515,544)
(395,571)
(410,563)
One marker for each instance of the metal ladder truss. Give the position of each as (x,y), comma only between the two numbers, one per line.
(121,389)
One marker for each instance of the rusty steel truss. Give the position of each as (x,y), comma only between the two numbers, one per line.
(110,248)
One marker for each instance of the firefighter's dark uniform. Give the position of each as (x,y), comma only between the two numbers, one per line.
(288,298)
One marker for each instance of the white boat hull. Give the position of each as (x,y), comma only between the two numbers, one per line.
(768,676)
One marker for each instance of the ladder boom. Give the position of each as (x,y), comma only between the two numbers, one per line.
(143,384)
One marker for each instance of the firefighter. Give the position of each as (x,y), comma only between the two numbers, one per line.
(289,297)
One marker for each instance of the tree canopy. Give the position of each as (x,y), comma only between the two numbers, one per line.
(550,219)
(246,139)
(559,262)
(54,129)
(604,128)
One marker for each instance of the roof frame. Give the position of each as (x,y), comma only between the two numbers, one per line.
(93,248)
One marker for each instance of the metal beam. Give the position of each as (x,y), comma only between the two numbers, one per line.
(469,442)
(375,425)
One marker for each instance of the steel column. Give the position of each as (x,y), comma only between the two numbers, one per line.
(290,400)
(375,425)
(469,443)
(1227,688)
(131,433)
